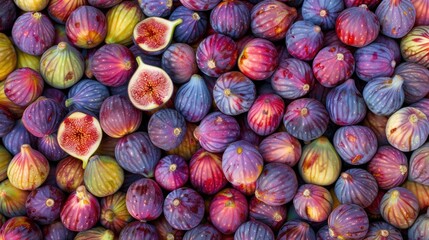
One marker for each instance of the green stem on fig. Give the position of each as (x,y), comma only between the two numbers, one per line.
(140,61)
(176,22)
(69,102)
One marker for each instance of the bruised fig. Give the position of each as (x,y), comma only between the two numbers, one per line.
(154,34)
(80,135)
(150,87)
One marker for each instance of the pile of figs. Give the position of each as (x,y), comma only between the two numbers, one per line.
(214,119)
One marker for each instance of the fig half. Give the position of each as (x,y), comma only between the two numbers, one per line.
(80,135)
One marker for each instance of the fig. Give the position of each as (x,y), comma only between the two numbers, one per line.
(266,113)
(166,231)
(57,231)
(296,229)
(60,10)
(139,230)
(382,230)
(33,33)
(97,233)
(6,103)
(150,87)
(319,163)
(86,27)
(13,200)
(125,17)
(399,207)
(313,203)
(200,5)
(20,228)
(396,17)
(203,232)
(419,163)
(155,8)
(348,221)
(103,176)
(273,216)
(167,129)
(414,48)
(421,12)
(322,13)
(323,234)
(144,200)
(419,230)
(87,95)
(374,60)
(62,66)
(8,56)
(189,145)
(377,123)
(280,147)
(231,18)
(80,135)
(69,174)
(420,191)
(253,229)
(26,60)
(8,15)
(392,44)
(33,6)
(114,213)
(183,208)
(5,158)
(23,86)
(228,210)
(44,204)
(416,79)
(17,137)
(104,3)
(55,94)
(28,169)
(153,34)
(179,62)
(193,27)
(171,172)
(118,116)
(7,121)
(304,35)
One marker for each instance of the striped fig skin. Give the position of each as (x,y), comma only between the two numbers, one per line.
(5,158)
(280,147)
(348,26)
(399,207)
(23,86)
(167,129)
(18,136)
(396,17)
(422,105)
(266,113)
(44,204)
(377,124)
(216,131)
(231,18)
(183,208)
(333,65)
(304,35)
(87,95)
(189,145)
(269,188)
(420,229)
(69,174)
(389,167)
(8,56)
(81,210)
(7,121)
(348,221)
(144,200)
(95,233)
(203,232)
(355,3)
(323,234)
(292,79)
(55,94)
(382,230)
(179,62)
(234,93)
(345,104)
(13,200)
(306,119)
(273,216)
(296,229)
(356,144)
(271,19)
(5,102)
(8,15)
(49,147)
(420,191)
(166,231)
(205,172)
(86,27)
(118,116)
(228,210)
(137,154)
(407,129)
(322,13)
(313,203)
(319,163)
(121,20)
(114,213)
(356,186)
(414,46)
(193,27)
(20,228)
(253,229)
(200,5)
(242,163)
(419,163)
(104,3)
(155,8)
(259,59)
(193,99)
(416,79)
(113,65)
(384,95)
(57,230)
(33,33)
(392,44)
(31,6)
(139,230)
(374,60)
(422,10)
(246,133)
(60,10)
(172,172)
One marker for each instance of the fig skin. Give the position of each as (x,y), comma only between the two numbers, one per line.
(8,57)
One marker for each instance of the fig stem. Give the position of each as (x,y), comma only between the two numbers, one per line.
(177,22)
(69,102)
(140,61)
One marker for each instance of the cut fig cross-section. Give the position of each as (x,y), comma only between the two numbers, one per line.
(154,34)
(80,135)
(150,87)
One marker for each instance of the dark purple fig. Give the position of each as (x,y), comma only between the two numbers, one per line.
(179,62)
(306,119)
(419,164)
(165,230)
(246,133)
(322,13)
(200,5)
(216,131)
(389,167)
(323,234)
(171,172)
(392,44)
(253,229)
(137,154)
(183,208)
(118,116)
(114,213)
(416,80)
(23,86)
(266,113)
(399,207)
(87,95)
(231,18)
(44,204)
(189,144)
(8,15)
(203,232)
(144,200)
(374,60)
(139,230)
(49,147)
(20,228)
(153,60)
(345,104)
(12,200)
(280,147)
(313,203)
(193,27)
(55,94)
(273,216)
(420,229)
(97,233)
(69,174)
(377,123)
(57,231)
(348,221)
(155,8)
(7,121)
(382,230)
(304,39)
(167,129)
(355,3)
(228,210)
(296,229)
(396,17)
(81,210)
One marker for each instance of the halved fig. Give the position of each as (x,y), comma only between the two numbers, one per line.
(80,135)
(153,35)
(150,87)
